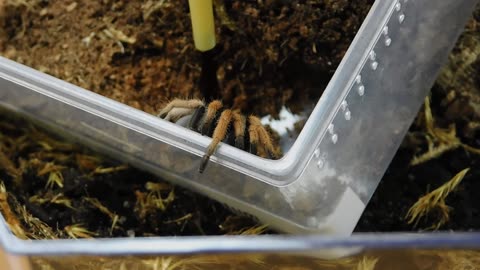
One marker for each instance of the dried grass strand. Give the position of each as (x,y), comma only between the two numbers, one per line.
(435,200)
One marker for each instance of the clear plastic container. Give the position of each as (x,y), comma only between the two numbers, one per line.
(388,251)
(325,180)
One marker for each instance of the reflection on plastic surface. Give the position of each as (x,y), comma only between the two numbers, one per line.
(411,259)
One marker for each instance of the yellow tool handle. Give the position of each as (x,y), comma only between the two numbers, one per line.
(201,13)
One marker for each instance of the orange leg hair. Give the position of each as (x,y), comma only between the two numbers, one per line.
(218,135)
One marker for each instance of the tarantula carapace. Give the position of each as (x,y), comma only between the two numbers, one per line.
(223,125)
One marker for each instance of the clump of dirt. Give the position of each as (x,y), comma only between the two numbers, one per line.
(141,53)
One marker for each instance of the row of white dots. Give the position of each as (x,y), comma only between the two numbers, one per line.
(387,41)
(346,112)
(320,158)
(359,84)
(398,8)
(373,59)
(333,135)
(401,18)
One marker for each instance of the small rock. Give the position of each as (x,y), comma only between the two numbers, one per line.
(43,12)
(72,6)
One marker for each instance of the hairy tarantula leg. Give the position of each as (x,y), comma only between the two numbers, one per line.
(260,140)
(196,117)
(218,135)
(239,124)
(177,113)
(178,108)
(252,135)
(266,141)
(209,117)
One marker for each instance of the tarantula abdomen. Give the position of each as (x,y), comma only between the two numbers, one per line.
(223,125)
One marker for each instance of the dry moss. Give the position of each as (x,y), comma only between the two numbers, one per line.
(439,140)
(435,200)
(70,192)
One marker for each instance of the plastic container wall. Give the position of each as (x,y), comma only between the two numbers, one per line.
(324,182)
(377,251)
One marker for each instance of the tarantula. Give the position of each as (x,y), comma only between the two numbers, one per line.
(213,120)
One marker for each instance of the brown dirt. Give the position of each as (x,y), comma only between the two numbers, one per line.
(142,54)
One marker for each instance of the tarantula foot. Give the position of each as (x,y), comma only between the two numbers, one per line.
(260,140)
(179,108)
(203,163)
(240,142)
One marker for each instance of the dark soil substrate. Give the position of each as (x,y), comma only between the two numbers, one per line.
(455,102)
(135,56)
(142,54)
(402,186)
